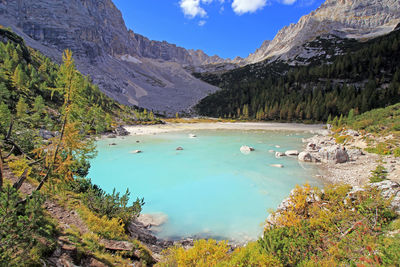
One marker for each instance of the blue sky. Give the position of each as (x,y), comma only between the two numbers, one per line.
(228,28)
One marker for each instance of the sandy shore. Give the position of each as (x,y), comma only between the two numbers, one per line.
(173,127)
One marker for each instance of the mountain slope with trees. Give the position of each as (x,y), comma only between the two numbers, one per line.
(366,77)
(50,115)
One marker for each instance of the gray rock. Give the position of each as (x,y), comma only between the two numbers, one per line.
(333,154)
(179,148)
(305,157)
(47,134)
(121,131)
(292,153)
(354,154)
(279,154)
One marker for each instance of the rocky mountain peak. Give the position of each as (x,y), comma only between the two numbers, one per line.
(358,19)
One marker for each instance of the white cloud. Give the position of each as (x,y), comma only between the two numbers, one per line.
(202,22)
(288,2)
(192,8)
(248,6)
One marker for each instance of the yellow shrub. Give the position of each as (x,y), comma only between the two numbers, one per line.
(251,255)
(204,253)
(108,228)
(18,166)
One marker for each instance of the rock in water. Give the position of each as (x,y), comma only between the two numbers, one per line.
(276,165)
(192,136)
(279,154)
(136,151)
(292,153)
(305,157)
(153,219)
(179,148)
(246,149)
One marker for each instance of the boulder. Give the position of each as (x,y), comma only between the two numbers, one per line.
(136,151)
(153,219)
(121,131)
(112,136)
(179,148)
(279,154)
(246,149)
(112,144)
(354,154)
(333,154)
(390,190)
(292,153)
(192,136)
(47,134)
(305,157)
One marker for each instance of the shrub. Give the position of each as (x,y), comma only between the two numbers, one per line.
(251,255)
(25,233)
(108,228)
(380,149)
(378,175)
(203,253)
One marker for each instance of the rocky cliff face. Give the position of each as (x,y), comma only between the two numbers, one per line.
(127,66)
(359,19)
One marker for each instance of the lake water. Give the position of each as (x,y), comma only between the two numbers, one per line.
(210,189)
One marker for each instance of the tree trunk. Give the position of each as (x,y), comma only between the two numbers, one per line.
(17,185)
(1,170)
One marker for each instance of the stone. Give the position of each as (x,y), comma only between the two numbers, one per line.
(305,157)
(136,151)
(121,131)
(354,154)
(276,165)
(152,219)
(279,154)
(246,149)
(179,148)
(47,134)
(292,153)
(333,154)
(192,136)
(112,136)
(112,144)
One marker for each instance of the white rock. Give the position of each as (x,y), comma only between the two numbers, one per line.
(136,151)
(305,156)
(153,219)
(292,153)
(333,154)
(192,136)
(246,149)
(276,165)
(279,154)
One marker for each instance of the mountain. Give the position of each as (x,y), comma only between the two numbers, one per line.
(366,76)
(356,19)
(127,66)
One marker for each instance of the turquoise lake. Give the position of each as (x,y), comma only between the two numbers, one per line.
(210,189)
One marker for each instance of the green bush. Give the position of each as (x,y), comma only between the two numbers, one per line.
(378,175)
(26,236)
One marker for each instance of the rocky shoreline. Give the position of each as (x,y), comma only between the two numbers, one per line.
(346,163)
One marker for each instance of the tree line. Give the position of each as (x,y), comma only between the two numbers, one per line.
(367,76)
